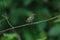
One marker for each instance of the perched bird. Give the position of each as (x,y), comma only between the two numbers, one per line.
(30,18)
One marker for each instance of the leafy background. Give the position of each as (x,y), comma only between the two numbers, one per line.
(19,10)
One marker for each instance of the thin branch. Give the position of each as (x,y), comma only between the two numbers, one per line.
(11,26)
(7,21)
(30,24)
(2,20)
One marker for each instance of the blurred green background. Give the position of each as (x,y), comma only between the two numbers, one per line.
(19,10)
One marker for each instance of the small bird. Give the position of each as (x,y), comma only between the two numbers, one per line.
(30,18)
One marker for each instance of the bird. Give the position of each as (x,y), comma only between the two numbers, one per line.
(30,18)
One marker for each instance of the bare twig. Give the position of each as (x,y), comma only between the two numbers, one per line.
(30,24)
(11,26)
(5,16)
(2,20)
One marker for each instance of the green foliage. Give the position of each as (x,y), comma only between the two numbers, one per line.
(43,12)
(27,2)
(56,4)
(54,31)
(41,26)
(9,36)
(19,10)
(27,34)
(5,3)
(43,36)
(57,20)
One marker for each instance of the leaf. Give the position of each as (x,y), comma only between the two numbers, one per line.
(43,13)
(34,31)
(39,1)
(19,16)
(41,26)
(15,15)
(42,36)
(57,20)
(26,34)
(1,12)
(9,36)
(26,2)
(56,4)
(5,3)
(54,31)
(4,25)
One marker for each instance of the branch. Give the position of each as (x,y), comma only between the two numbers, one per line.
(2,20)
(5,16)
(11,26)
(30,24)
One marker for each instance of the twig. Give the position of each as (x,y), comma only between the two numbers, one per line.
(30,24)
(2,20)
(11,26)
